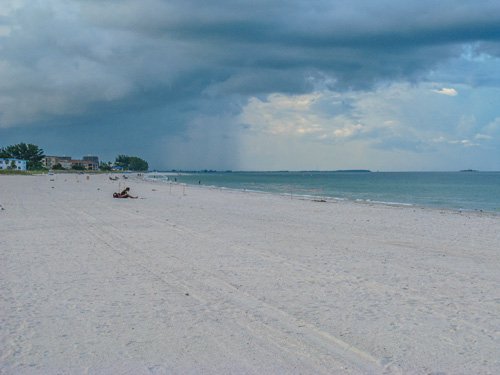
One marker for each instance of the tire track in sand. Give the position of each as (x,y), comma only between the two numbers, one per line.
(252,314)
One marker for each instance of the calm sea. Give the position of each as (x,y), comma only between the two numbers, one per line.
(452,190)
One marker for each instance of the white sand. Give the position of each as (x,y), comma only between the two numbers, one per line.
(229,282)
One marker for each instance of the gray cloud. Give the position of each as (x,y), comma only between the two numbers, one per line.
(64,57)
(69,62)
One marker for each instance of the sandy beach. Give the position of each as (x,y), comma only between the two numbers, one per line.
(191,280)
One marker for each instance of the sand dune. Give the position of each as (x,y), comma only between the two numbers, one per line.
(198,280)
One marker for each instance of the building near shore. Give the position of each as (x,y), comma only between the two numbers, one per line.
(87,164)
(14,164)
(50,161)
(66,162)
(92,158)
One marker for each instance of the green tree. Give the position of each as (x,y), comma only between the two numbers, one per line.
(4,153)
(132,163)
(122,161)
(29,152)
(77,167)
(138,164)
(105,166)
(57,166)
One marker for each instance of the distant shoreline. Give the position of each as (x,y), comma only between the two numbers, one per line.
(478,192)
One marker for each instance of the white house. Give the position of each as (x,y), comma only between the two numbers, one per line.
(9,163)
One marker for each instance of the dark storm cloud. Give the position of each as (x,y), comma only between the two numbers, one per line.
(67,58)
(165,66)
(357,42)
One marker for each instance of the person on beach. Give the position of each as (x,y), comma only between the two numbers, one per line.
(124,194)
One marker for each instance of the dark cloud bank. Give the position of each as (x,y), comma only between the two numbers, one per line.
(123,76)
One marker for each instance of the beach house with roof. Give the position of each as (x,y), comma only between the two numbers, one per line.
(14,164)
(50,161)
(87,162)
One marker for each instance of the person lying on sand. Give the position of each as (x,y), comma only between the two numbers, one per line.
(124,194)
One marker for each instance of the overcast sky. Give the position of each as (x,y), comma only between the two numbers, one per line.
(255,85)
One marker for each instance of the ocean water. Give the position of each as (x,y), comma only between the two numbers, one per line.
(450,190)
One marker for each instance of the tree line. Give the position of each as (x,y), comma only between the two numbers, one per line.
(29,152)
(34,156)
